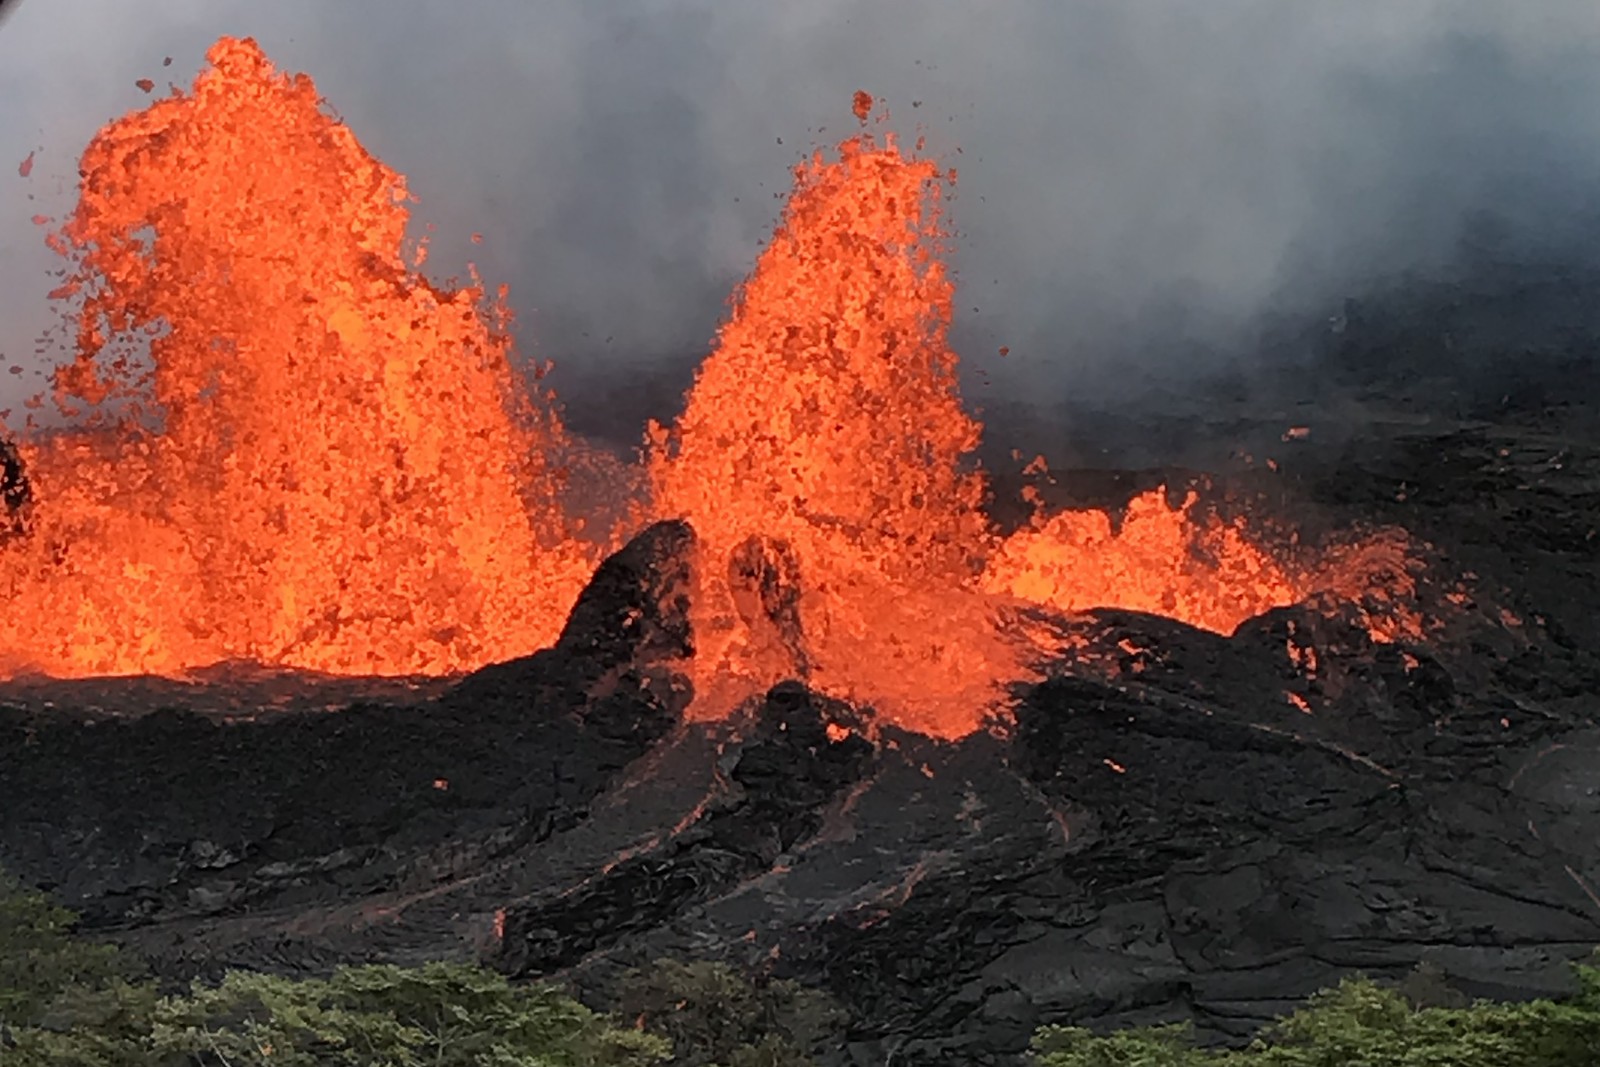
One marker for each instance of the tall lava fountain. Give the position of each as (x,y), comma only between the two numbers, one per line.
(324,462)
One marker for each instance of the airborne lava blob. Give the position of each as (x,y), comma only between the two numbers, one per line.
(321,461)
(291,449)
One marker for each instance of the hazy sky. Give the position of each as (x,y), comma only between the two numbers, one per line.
(1135,176)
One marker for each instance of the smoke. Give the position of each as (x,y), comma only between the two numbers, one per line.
(1142,185)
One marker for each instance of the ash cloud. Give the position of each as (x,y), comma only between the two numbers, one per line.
(1142,185)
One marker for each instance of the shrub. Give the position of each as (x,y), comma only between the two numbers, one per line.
(1362,1024)
(713,1015)
(440,1014)
(66,1001)
(41,960)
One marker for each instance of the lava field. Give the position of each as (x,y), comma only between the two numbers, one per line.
(360,655)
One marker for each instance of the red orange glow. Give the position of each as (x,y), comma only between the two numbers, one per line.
(828,420)
(1168,560)
(292,449)
(321,462)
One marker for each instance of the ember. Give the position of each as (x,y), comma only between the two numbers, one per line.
(292,449)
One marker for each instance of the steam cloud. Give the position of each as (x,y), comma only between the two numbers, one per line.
(1140,183)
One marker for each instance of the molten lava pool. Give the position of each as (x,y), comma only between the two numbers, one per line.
(290,448)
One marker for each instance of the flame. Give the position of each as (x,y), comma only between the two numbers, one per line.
(305,455)
(290,448)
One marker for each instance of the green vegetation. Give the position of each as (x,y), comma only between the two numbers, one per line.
(712,1015)
(66,1002)
(63,1000)
(438,1014)
(1363,1024)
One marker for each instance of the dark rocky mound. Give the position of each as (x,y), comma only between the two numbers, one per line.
(1162,833)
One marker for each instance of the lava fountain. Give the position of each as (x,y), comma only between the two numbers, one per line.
(828,425)
(823,456)
(290,448)
(295,451)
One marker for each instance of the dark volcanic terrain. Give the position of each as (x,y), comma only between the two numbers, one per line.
(1162,834)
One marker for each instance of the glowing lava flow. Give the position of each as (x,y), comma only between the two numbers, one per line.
(294,450)
(335,469)
(1164,559)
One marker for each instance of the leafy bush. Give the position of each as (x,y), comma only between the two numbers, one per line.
(713,1015)
(442,1014)
(40,960)
(1363,1024)
(1152,1046)
(64,1001)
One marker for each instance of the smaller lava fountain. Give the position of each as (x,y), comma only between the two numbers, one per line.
(828,423)
(1165,559)
(292,449)
(824,448)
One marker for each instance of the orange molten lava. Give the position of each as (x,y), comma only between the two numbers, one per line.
(1164,559)
(323,461)
(821,457)
(828,422)
(294,450)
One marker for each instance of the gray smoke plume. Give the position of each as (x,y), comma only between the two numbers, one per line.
(1143,184)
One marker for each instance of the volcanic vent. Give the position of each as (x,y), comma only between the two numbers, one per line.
(285,446)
